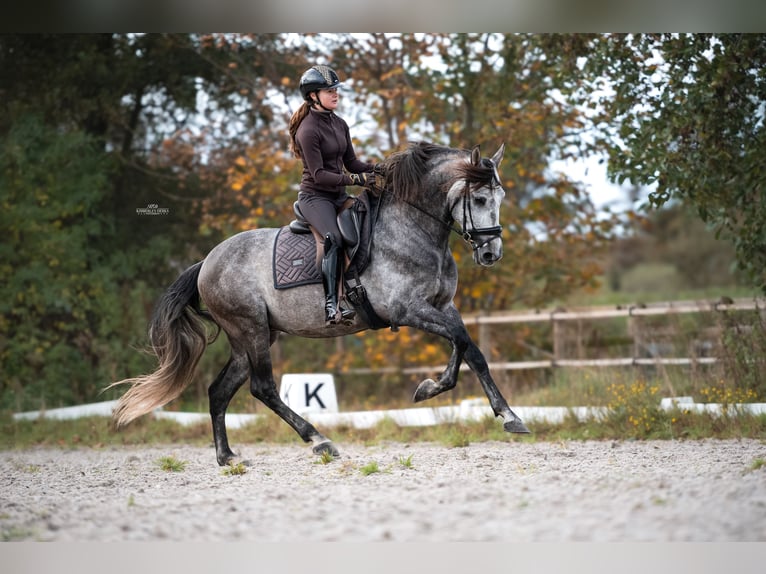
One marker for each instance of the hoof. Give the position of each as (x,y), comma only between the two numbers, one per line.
(326,447)
(227,458)
(426,389)
(516,426)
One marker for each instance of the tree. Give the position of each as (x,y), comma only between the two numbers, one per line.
(96,127)
(66,308)
(685,115)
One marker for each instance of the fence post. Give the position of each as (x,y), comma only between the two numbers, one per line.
(559,337)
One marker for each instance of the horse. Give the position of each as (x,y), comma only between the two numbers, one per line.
(411,280)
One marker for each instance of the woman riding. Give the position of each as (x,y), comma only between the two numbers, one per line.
(322,141)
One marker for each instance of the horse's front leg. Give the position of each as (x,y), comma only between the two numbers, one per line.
(449,324)
(429,388)
(478,364)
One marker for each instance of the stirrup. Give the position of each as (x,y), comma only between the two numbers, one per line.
(347,316)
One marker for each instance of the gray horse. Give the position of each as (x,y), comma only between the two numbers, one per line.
(410,281)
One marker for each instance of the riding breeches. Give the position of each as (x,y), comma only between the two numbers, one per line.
(321,211)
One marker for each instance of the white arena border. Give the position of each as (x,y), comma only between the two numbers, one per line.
(467,410)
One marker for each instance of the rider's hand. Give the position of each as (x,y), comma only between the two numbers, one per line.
(364,179)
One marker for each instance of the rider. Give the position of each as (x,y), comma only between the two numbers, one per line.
(322,141)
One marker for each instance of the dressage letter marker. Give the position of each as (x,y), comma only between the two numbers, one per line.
(309,393)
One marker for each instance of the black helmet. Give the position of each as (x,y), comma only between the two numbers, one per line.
(318,78)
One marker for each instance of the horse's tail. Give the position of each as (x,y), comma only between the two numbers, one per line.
(178,337)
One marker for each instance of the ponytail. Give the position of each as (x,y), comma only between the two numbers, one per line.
(295,121)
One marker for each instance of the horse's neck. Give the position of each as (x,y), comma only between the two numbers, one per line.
(413,226)
(413,249)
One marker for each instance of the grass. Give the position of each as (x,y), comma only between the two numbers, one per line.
(97,432)
(171,464)
(325,458)
(757,464)
(16,534)
(234,469)
(370,468)
(405,462)
(634,413)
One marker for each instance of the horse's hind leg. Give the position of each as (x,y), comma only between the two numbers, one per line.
(220,393)
(263,388)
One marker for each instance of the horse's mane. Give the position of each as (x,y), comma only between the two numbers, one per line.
(406,170)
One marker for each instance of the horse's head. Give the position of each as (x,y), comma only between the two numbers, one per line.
(475,199)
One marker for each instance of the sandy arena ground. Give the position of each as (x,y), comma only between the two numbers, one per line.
(657,491)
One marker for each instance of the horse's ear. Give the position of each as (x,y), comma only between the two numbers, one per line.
(498,157)
(475,155)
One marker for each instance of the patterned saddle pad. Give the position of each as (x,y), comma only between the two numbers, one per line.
(295,260)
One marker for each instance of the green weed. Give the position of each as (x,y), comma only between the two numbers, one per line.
(171,464)
(234,469)
(757,464)
(457,436)
(16,534)
(370,468)
(325,458)
(405,462)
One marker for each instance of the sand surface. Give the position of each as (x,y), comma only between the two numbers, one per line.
(661,491)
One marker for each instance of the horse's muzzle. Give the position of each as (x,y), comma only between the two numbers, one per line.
(487,258)
(489,253)
(487,245)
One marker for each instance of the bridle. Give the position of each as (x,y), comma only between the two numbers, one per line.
(476,237)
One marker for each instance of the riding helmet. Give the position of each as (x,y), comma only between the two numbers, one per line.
(318,78)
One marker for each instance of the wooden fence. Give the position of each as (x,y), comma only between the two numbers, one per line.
(559,318)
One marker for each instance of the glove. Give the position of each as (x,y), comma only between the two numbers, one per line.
(378,169)
(362,179)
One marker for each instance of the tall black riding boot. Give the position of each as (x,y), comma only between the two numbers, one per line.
(330,281)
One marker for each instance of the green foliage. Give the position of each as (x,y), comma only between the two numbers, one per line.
(744,352)
(634,408)
(81,268)
(70,322)
(686,116)
(62,325)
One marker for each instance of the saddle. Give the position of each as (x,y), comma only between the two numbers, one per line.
(298,252)
(350,220)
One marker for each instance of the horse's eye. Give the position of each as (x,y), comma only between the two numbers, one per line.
(480,201)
